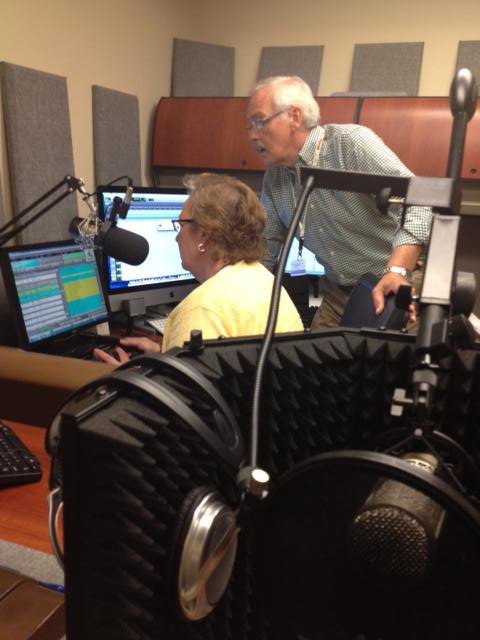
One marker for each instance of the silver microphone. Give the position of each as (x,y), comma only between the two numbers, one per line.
(126,203)
(394,534)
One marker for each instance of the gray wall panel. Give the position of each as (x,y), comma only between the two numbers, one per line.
(387,67)
(469,56)
(305,62)
(202,70)
(39,145)
(116,135)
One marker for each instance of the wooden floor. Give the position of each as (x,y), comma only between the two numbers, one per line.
(23,508)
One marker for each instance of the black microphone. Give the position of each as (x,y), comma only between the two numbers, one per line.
(119,208)
(394,534)
(121,244)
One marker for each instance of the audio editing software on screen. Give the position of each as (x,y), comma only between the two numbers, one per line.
(58,289)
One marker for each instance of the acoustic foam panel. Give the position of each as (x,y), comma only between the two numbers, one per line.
(368,94)
(387,67)
(6,329)
(39,146)
(202,70)
(128,465)
(305,62)
(2,210)
(116,135)
(469,56)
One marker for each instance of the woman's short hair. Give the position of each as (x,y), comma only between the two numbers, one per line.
(292,91)
(231,215)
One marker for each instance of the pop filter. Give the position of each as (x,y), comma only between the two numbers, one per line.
(315,579)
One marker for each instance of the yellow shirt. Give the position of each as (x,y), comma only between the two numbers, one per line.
(232,303)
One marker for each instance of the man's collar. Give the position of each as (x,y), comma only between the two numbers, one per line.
(307,152)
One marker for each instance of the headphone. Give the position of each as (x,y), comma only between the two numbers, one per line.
(204,539)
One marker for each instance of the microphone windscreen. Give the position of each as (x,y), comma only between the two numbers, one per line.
(395,533)
(463,93)
(124,246)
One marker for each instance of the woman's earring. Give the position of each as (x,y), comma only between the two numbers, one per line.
(201,247)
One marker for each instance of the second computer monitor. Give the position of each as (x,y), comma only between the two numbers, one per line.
(161,278)
(309,263)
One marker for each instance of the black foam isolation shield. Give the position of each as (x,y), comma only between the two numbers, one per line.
(324,572)
(129,462)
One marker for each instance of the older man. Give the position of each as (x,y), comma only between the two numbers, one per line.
(345,231)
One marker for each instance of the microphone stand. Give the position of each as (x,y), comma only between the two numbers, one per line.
(444,196)
(72,184)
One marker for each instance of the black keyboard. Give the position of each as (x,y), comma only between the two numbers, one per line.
(18,465)
(81,345)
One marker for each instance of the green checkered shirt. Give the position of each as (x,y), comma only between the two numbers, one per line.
(345,230)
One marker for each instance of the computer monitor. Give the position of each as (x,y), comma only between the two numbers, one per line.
(54,289)
(311,264)
(160,279)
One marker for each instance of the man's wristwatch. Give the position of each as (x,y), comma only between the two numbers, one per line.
(405,273)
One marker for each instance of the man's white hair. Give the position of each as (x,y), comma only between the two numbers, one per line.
(292,91)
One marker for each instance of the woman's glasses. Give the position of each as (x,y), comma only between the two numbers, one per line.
(179,222)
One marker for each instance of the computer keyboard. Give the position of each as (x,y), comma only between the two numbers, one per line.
(18,465)
(81,345)
(158,323)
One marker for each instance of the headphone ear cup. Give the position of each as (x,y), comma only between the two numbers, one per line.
(203,552)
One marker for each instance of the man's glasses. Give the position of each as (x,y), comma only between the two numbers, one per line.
(179,222)
(259,123)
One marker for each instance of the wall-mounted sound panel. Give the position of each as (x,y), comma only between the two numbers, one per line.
(39,145)
(3,218)
(116,135)
(368,94)
(305,62)
(469,56)
(202,70)
(387,67)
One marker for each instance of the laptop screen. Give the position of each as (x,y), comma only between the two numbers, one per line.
(55,288)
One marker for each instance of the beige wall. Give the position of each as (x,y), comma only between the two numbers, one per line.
(120,44)
(127,45)
(248,25)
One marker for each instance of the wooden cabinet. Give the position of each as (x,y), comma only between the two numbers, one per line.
(418,130)
(209,133)
(203,133)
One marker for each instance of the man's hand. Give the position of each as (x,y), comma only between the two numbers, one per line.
(138,344)
(387,285)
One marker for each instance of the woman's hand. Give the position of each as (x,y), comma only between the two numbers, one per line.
(144,345)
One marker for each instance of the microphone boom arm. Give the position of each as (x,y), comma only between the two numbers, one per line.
(72,184)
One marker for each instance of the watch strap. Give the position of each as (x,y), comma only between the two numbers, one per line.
(401,271)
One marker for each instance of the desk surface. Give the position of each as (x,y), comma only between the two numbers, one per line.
(23,508)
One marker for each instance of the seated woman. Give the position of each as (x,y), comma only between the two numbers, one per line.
(220,242)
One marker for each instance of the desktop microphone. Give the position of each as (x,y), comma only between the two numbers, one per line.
(119,244)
